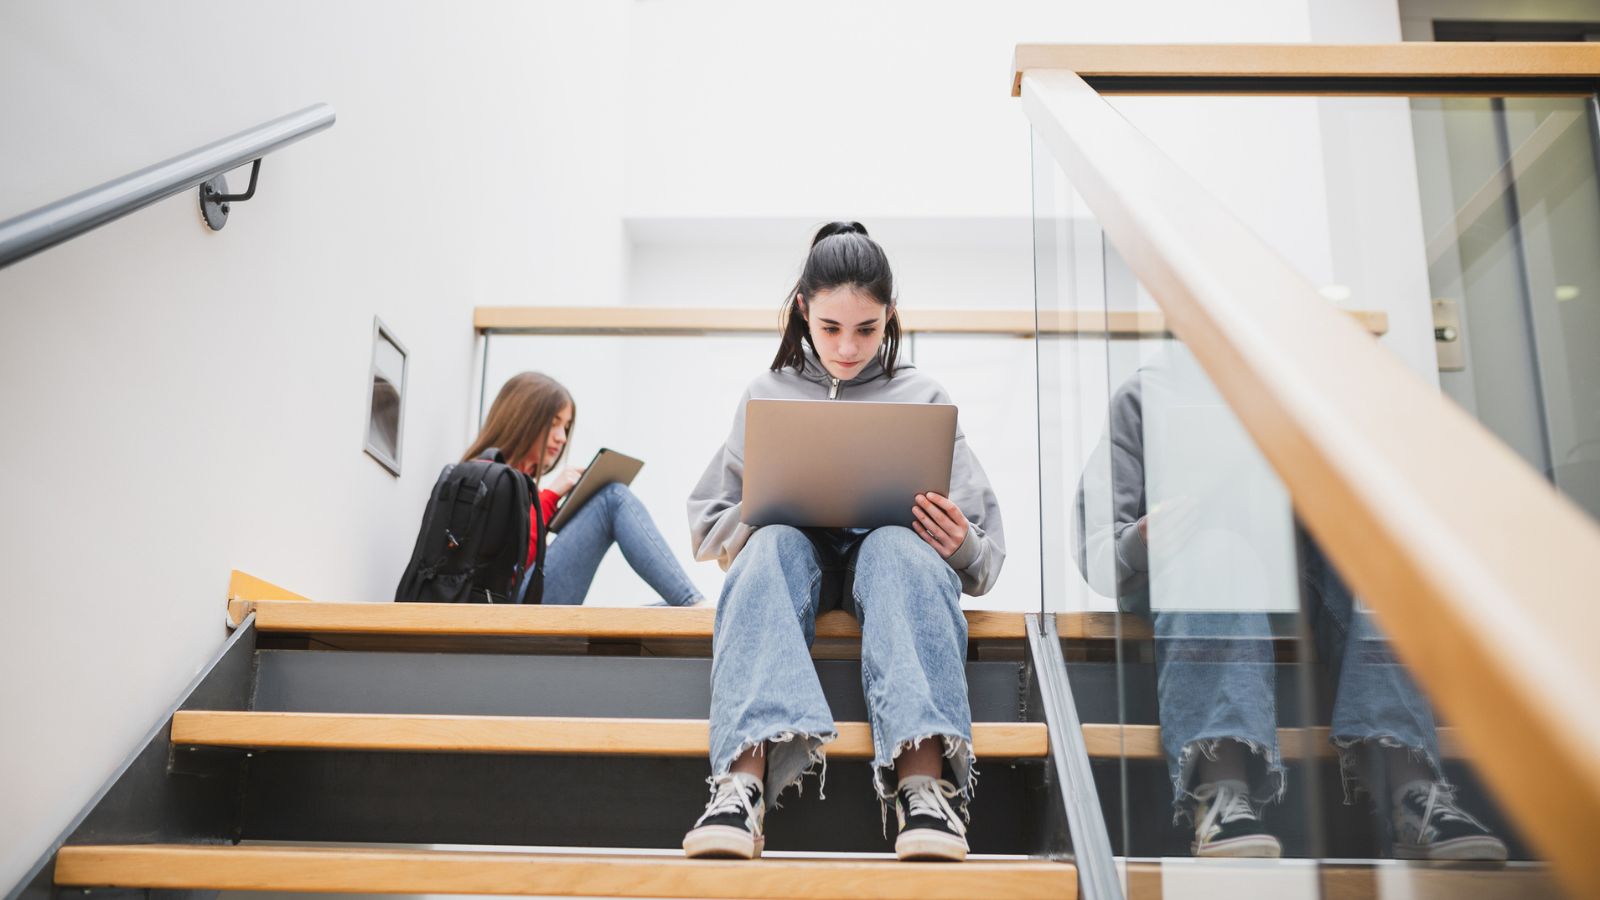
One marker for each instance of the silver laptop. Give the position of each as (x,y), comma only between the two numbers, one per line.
(843,464)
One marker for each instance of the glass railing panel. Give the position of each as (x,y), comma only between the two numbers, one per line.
(1265,721)
(1511,209)
(635,395)
(992,381)
(1256,730)
(1470,222)
(1072,357)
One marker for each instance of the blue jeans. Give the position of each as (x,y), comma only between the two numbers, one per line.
(1214,679)
(612,516)
(764,686)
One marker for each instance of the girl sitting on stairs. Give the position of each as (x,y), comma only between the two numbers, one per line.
(770,721)
(531,421)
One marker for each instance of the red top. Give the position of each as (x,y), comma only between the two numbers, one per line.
(547,502)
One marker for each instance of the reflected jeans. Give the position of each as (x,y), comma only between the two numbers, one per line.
(1215,681)
(612,516)
(764,687)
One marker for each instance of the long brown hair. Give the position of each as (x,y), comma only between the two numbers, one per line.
(519,420)
(841,255)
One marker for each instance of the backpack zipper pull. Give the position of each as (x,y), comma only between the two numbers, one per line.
(833,392)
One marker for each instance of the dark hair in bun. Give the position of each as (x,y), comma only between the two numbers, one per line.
(842,255)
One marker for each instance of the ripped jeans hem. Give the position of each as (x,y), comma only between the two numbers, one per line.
(779,750)
(957,749)
(1350,765)
(1185,802)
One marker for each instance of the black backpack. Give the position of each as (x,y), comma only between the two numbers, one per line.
(474,540)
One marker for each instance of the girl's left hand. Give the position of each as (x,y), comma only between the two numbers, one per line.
(940,523)
(565,481)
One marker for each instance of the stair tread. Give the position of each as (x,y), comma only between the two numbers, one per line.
(278,868)
(548,621)
(1144,742)
(529,734)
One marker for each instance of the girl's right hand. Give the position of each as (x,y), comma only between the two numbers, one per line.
(564,481)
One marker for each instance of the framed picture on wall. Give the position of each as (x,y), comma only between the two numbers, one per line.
(386,397)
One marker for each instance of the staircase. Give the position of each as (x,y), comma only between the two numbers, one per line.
(561,751)
(555,751)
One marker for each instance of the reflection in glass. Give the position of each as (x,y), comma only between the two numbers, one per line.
(1206,550)
(1511,207)
(1259,710)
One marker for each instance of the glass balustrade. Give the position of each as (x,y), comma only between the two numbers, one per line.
(1252,731)
(669,400)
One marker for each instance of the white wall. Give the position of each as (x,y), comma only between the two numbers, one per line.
(179,403)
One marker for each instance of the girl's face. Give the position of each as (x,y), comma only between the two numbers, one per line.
(847,328)
(558,436)
(537,463)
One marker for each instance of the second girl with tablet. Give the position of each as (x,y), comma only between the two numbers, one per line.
(770,721)
(530,421)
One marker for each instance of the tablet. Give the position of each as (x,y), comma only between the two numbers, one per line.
(607,466)
(843,464)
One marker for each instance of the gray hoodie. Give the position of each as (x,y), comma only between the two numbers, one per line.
(714,506)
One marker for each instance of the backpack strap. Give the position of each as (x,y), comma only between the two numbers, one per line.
(534,592)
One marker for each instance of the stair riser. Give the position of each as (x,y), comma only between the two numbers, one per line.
(577,802)
(619,687)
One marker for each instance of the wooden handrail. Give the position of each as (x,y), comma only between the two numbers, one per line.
(1482,575)
(662,320)
(1372,62)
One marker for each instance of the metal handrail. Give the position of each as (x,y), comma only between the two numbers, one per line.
(63,220)
(1091,843)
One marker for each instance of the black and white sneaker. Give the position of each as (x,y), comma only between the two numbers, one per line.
(730,828)
(1227,825)
(1429,825)
(929,828)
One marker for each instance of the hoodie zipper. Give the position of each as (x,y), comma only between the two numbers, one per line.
(833,392)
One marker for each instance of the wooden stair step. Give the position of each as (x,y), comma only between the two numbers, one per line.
(1144,742)
(548,621)
(202,867)
(530,734)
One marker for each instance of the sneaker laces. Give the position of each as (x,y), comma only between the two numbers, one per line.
(1441,802)
(1230,805)
(932,798)
(728,795)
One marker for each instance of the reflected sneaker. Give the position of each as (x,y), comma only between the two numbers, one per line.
(730,828)
(1228,824)
(1429,825)
(930,830)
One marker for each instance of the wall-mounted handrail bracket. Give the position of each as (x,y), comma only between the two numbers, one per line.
(215,199)
(45,227)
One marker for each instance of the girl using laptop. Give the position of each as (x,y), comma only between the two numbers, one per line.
(531,421)
(770,721)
